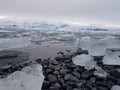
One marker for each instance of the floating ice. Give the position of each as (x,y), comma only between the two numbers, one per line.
(97,47)
(30,78)
(13,43)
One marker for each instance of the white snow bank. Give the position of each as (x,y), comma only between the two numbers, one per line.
(115,87)
(84,60)
(29,78)
(112,58)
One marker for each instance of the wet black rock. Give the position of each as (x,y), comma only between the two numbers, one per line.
(56,73)
(52,78)
(76,74)
(48,71)
(70,77)
(102,88)
(79,69)
(64,71)
(55,87)
(46,84)
(115,73)
(69,88)
(87,74)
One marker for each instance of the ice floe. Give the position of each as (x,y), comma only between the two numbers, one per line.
(97,47)
(13,43)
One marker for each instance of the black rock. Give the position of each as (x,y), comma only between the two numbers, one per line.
(48,71)
(39,61)
(87,74)
(46,84)
(69,88)
(56,72)
(64,71)
(76,74)
(54,88)
(101,83)
(70,77)
(102,88)
(52,78)
(79,69)
(115,73)
(54,62)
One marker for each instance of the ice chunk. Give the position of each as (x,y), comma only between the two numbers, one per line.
(97,47)
(99,72)
(84,60)
(29,78)
(112,57)
(115,87)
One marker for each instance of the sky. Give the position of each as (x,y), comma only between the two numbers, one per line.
(78,11)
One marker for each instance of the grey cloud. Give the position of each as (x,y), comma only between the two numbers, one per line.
(94,11)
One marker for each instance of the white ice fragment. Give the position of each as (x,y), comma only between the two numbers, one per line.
(115,87)
(99,72)
(29,78)
(84,60)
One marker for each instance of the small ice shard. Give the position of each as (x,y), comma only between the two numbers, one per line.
(84,60)
(99,72)
(112,57)
(29,78)
(115,87)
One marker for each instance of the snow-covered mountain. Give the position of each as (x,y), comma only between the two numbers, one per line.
(44,25)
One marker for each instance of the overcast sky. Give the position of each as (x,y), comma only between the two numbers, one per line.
(84,11)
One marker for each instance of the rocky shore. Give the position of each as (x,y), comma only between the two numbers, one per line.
(62,74)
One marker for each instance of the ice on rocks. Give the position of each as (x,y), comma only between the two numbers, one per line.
(88,62)
(29,78)
(115,87)
(84,60)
